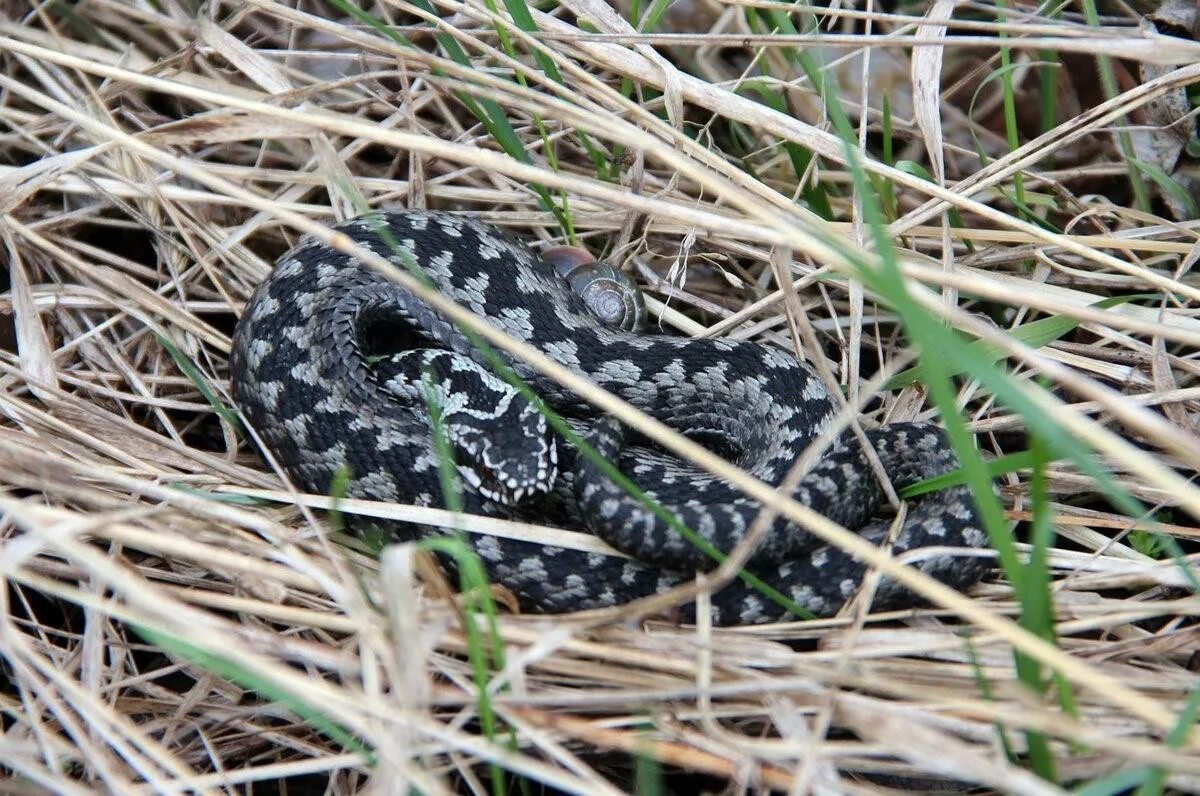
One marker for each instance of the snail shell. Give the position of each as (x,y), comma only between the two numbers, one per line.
(610,294)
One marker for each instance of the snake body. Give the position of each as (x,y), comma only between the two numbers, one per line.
(335,366)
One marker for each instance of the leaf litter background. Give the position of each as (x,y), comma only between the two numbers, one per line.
(176,619)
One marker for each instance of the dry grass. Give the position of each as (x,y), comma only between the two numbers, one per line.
(176,618)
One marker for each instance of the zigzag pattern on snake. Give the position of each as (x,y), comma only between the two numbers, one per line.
(333,365)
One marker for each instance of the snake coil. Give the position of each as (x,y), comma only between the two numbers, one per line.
(334,366)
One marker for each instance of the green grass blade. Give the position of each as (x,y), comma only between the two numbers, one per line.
(201,384)
(985,690)
(1011,463)
(801,159)
(927,335)
(1169,185)
(917,170)
(488,112)
(1117,784)
(230,670)
(447,473)
(1010,108)
(1108,80)
(1035,335)
(483,657)
(1037,612)
(1184,727)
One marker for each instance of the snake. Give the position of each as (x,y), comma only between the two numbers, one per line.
(346,376)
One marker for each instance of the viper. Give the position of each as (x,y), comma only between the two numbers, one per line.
(339,369)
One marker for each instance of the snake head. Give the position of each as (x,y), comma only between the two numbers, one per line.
(508,458)
(501,443)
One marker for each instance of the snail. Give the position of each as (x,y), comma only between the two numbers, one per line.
(608,292)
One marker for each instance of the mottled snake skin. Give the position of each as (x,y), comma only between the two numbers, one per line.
(326,366)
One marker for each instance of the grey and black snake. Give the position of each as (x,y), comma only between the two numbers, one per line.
(333,365)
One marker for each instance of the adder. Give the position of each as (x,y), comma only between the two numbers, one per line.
(335,366)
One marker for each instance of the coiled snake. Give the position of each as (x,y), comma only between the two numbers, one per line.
(334,365)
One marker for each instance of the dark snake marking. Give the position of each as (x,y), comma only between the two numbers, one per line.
(327,364)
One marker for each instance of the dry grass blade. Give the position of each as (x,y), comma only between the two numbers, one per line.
(177,617)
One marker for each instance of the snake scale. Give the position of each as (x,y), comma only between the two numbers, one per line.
(334,365)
